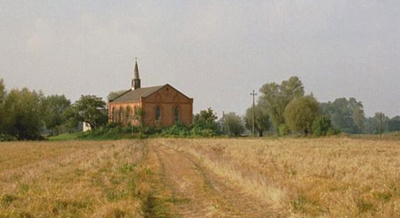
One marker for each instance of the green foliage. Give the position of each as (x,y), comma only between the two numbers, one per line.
(394,124)
(7,199)
(205,122)
(200,132)
(346,115)
(283,130)
(65,137)
(261,119)
(113,95)
(321,126)
(276,97)
(52,111)
(301,113)
(178,129)
(2,91)
(2,115)
(139,114)
(381,122)
(111,131)
(20,114)
(233,124)
(89,109)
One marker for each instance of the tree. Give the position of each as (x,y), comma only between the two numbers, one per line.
(301,113)
(261,119)
(206,119)
(394,124)
(113,95)
(381,122)
(139,114)
(370,126)
(233,124)
(2,91)
(322,125)
(276,97)
(89,109)
(22,114)
(346,115)
(2,98)
(53,108)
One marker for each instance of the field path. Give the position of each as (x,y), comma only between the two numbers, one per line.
(198,193)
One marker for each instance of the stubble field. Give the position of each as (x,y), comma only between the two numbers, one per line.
(330,177)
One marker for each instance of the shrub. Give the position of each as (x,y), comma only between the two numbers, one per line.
(322,125)
(178,129)
(283,130)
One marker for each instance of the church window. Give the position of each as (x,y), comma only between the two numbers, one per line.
(176,113)
(114,115)
(158,113)
(128,113)
(121,114)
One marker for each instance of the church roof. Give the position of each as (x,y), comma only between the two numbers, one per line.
(136,94)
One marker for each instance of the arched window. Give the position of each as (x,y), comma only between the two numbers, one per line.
(114,115)
(121,114)
(128,112)
(176,113)
(158,113)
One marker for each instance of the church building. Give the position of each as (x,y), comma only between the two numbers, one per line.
(159,106)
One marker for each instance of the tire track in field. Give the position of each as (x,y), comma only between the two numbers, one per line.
(199,193)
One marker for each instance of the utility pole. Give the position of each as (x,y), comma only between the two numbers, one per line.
(254,95)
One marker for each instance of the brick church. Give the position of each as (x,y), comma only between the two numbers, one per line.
(159,106)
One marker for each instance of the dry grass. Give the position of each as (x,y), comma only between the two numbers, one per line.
(332,177)
(69,179)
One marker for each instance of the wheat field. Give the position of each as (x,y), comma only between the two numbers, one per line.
(327,177)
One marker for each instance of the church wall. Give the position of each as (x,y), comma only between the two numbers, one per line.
(167,114)
(168,98)
(125,119)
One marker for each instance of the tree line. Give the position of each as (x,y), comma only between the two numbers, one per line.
(281,109)
(29,115)
(285,108)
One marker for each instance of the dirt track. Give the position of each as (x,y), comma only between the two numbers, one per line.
(199,193)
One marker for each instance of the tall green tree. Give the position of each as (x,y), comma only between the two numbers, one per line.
(356,108)
(233,124)
(381,122)
(346,115)
(261,119)
(394,124)
(21,112)
(2,91)
(301,113)
(90,109)
(276,97)
(206,119)
(53,108)
(322,125)
(2,98)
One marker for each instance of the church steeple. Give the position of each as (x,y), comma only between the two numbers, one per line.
(136,79)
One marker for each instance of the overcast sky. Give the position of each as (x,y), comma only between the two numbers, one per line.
(216,52)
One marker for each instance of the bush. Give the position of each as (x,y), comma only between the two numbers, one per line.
(322,125)
(200,132)
(178,129)
(283,130)
(109,131)
(333,131)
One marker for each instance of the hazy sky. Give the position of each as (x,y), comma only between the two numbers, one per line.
(216,52)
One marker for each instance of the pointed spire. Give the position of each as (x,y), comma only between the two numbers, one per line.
(136,72)
(136,79)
